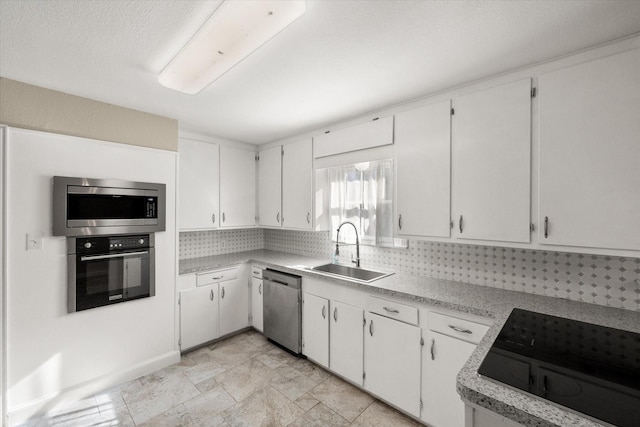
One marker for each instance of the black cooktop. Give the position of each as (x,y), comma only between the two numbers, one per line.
(594,370)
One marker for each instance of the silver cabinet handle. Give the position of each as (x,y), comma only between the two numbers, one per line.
(433,344)
(308,218)
(335,314)
(460,224)
(213,218)
(211,295)
(223,218)
(324,311)
(371,328)
(461,330)
(217,277)
(260,288)
(390,310)
(400,222)
(546,227)
(278,217)
(222,295)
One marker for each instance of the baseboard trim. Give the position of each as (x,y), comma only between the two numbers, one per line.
(41,406)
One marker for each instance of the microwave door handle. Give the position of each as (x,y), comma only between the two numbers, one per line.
(97,257)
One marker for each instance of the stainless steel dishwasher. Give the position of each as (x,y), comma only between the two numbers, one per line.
(282,309)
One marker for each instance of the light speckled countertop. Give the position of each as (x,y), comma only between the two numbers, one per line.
(479,300)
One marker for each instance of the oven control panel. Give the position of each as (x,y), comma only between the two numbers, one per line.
(105,244)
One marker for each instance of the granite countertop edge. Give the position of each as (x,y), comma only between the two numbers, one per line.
(485,301)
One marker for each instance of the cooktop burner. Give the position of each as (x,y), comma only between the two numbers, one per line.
(591,369)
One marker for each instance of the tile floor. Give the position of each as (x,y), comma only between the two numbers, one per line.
(242,381)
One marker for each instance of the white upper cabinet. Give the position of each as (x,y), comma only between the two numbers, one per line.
(198,185)
(491,163)
(590,154)
(423,155)
(375,133)
(270,187)
(297,185)
(237,187)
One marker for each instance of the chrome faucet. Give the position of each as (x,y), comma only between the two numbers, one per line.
(357,260)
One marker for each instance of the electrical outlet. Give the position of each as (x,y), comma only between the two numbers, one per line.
(35,241)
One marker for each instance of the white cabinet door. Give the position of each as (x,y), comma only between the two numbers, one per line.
(234,305)
(315,328)
(198,316)
(346,341)
(491,165)
(297,185)
(237,187)
(392,361)
(590,154)
(270,187)
(423,155)
(443,357)
(198,185)
(256,304)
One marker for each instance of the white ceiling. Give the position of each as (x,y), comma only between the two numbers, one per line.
(342,59)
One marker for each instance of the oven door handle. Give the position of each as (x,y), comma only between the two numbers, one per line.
(123,255)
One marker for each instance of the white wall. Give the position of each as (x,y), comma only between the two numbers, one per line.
(49,351)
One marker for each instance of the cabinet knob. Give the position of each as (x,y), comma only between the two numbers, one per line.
(308,218)
(211,295)
(223,218)
(335,314)
(260,288)
(222,294)
(460,224)
(371,328)
(278,217)
(324,311)
(433,344)
(213,218)
(400,222)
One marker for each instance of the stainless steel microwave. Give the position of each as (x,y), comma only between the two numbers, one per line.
(83,206)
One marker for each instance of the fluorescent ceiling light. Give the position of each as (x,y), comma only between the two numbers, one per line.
(235,30)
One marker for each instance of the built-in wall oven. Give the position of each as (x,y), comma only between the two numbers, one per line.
(105,270)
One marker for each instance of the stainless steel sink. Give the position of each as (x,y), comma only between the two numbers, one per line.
(354,273)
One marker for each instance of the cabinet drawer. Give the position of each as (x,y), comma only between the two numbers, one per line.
(393,310)
(256,272)
(457,328)
(209,277)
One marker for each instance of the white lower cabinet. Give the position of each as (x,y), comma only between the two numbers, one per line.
(198,316)
(315,328)
(392,361)
(234,306)
(448,344)
(479,417)
(346,344)
(257,317)
(212,304)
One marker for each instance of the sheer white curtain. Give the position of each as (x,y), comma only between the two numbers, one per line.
(363,194)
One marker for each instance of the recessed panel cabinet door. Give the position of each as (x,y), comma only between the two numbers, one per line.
(297,185)
(443,357)
(346,341)
(423,155)
(491,163)
(198,316)
(590,154)
(315,328)
(270,187)
(392,361)
(198,185)
(237,187)
(234,305)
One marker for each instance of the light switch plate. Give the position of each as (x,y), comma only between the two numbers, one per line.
(35,241)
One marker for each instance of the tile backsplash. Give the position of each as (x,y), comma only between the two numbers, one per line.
(597,279)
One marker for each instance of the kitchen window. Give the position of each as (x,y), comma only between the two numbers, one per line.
(363,194)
